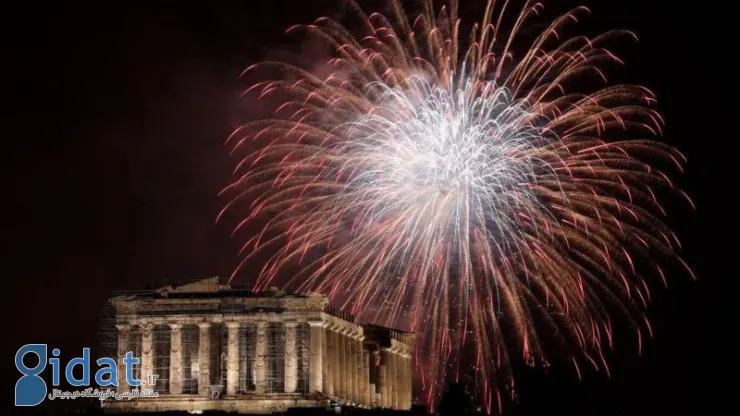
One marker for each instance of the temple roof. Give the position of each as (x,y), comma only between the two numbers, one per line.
(210,284)
(208,288)
(212,288)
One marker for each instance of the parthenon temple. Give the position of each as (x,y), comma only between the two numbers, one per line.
(210,346)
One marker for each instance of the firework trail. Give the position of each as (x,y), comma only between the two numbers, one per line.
(462,187)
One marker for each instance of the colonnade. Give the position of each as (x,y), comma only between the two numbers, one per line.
(342,361)
(339,364)
(395,377)
(175,375)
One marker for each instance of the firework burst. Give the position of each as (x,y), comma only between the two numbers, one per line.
(471,193)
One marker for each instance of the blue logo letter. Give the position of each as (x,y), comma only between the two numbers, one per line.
(84,361)
(128,363)
(30,389)
(55,367)
(111,370)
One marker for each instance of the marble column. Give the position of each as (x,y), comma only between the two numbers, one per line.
(383,379)
(401,362)
(260,359)
(351,363)
(375,397)
(359,391)
(399,379)
(291,357)
(408,378)
(366,390)
(316,368)
(347,378)
(339,375)
(242,379)
(147,362)
(204,358)
(329,362)
(124,332)
(357,367)
(394,380)
(175,358)
(337,363)
(326,360)
(232,357)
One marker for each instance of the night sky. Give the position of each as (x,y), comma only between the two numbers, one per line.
(116,118)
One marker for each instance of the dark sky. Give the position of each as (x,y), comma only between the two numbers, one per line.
(115,120)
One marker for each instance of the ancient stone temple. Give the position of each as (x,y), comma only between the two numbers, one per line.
(214,347)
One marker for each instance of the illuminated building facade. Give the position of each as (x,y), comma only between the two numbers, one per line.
(214,347)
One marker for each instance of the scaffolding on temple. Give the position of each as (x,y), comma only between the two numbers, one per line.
(205,345)
(185,376)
